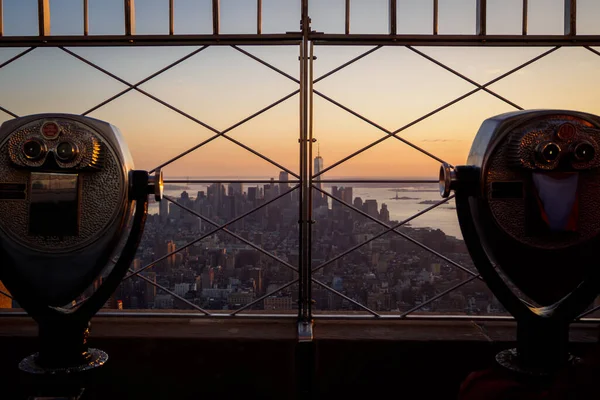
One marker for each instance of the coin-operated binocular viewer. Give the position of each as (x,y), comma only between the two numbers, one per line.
(72,213)
(528,204)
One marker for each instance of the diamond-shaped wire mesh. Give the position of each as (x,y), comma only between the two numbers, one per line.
(423,272)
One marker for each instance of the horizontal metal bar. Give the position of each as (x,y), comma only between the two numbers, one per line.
(294,38)
(377,181)
(453,40)
(276,39)
(201,181)
(4,313)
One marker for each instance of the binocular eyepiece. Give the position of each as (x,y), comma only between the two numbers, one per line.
(527,202)
(70,203)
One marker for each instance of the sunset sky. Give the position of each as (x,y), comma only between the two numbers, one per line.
(221,86)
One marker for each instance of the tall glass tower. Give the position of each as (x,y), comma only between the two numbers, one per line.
(318,197)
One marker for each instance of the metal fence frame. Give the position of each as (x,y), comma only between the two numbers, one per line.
(305,180)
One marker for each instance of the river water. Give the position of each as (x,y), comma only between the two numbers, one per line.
(408,203)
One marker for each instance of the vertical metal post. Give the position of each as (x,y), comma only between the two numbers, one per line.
(310,192)
(436,11)
(216,16)
(571,17)
(481,28)
(305,349)
(347,30)
(305,197)
(393,17)
(86,18)
(258,17)
(129,17)
(525,14)
(1,19)
(44,17)
(171,17)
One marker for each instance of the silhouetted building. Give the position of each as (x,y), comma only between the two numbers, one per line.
(164,211)
(384,214)
(370,207)
(358,203)
(252,194)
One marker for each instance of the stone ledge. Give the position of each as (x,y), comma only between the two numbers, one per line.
(281,328)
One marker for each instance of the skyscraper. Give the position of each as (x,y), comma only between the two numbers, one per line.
(171,260)
(164,211)
(284,187)
(252,194)
(318,198)
(283,176)
(318,167)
